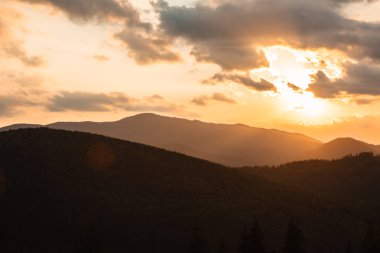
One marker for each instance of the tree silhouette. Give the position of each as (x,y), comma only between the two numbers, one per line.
(370,244)
(2,241)
(197,242)
(90,242)
(244,246)
(252,241)
(349,248)
(222,247)
(257,237)
(294,240)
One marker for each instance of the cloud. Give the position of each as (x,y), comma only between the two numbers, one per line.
(9,105)
(85,101)
(201,101)
(244,79)
(15,49)
(94,10)
(20,91)
(104,102)
(143,42)
(223,98)
(204,100)
(344,2)
(358,79)
(231,34)
(147,48)
(101,57)
(10,46)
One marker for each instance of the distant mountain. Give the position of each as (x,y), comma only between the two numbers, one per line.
(62,191)
(341,147)
(232,145)
(19,126)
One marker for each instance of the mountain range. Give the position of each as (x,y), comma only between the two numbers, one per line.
(228,144)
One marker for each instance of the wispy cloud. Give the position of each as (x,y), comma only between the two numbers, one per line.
(103,102)
(220,97)
(10,46)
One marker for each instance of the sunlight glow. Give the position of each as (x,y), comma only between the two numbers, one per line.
(291,71)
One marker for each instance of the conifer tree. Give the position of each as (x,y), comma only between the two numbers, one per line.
(222,247)
(90,242)
(197,242)
(294,240)
(252,241)
(244,246)
(349,248)
(257,239)
(370,244)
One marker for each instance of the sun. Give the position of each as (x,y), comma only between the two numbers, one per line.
(306,105)
(291,71)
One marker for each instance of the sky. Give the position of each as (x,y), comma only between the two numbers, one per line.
(296,65)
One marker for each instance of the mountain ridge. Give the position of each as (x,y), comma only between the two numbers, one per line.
(229,144)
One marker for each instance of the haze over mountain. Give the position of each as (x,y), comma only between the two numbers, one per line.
(340,147)
(229,144)
(59,185)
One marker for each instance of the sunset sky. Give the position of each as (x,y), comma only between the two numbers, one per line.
(297,65)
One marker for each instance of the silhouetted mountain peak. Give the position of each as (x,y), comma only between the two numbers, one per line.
(348,142)
(141,116)
(340,147)
(345,140)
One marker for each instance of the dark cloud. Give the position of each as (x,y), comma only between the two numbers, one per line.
(147,48)
(201,101)
(8,105)
(365,101)
(204,100)
(344,2)
(244,79)
(85,101)
(223,98)
(103,102)
(231,33)
(358,79)
(94,10)
(12,104)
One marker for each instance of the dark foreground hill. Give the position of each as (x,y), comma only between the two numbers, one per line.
(61,190)
(353,181)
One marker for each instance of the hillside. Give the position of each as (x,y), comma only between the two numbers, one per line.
(352,181)
(61,189)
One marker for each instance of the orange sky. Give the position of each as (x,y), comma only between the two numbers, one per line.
(77,61)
